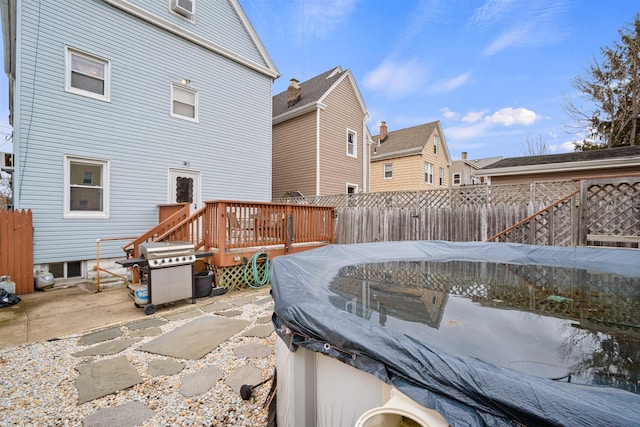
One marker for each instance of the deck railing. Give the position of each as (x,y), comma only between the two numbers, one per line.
(169,216)
(235,230)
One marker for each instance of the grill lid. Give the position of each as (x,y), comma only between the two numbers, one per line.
(157,250)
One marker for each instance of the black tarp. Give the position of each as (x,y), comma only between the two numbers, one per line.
(466,390)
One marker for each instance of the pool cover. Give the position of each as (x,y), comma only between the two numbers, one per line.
(467,389)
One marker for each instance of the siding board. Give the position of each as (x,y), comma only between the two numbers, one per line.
(230,145)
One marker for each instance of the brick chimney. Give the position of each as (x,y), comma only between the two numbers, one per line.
(464,155)
(293,92)
(383,132)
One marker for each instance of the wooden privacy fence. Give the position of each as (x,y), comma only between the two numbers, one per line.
(596,212)
(462,224)
(16,248)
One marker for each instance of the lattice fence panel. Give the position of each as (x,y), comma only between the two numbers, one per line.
(563,224)
(232,278)
(510,193)
(474,195)
(614,209)
(547,193)
(434,199)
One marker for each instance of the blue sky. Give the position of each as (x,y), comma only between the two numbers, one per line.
(494,72)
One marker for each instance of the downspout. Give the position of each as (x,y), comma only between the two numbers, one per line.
(317,151)
(365,162)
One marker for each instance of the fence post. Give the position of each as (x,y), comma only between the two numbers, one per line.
(582,217)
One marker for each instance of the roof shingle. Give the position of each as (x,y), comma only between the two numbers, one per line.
(310,91)
(581,156)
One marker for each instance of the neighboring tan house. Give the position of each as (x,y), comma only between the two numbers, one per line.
(559,167)
(465,171)
(118,106)
(320,137)
(415,158)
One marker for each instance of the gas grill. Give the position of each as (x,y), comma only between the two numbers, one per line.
(170,275)
(167,254)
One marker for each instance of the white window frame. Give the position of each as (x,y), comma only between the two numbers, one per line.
(174,9)
(457,179)
(354,186)
(188,89)
(428,172)
(69,52)
(353,144)
(384,171)
(441,177)
(436,141)
(104,164)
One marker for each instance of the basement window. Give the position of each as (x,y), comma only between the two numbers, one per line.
(66,270)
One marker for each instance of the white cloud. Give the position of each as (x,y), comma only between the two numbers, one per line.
(516,37)
(321,18)
(466,132)
(450,84)
(448,114)
(396,79)
(473,116)
(490,11)
(522,24)
(513,116)
(568,146)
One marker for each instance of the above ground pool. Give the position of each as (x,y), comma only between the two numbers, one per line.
(483,333)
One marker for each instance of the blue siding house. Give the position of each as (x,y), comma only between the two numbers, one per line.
(119,106)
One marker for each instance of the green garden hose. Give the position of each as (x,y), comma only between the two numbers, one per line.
(257,282)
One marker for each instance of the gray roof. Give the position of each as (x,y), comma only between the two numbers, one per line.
(403,142)
(310,91)
(581,156)
(481,163)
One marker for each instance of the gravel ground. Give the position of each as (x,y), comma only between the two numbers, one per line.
(37,383)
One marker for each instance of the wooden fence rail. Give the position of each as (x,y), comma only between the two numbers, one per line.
(16,248)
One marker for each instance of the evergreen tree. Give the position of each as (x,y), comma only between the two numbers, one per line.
(612,87)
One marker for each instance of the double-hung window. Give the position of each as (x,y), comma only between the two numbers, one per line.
(436,140)
(456,179)
(388,171)
(86,188)
(428,173)
(352,147)
(184,102)
(441,177)
(87,74)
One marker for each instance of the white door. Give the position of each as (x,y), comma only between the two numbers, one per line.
(184,187)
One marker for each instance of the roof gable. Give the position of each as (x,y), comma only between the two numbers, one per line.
(313,92)
(254,56)
(408,142)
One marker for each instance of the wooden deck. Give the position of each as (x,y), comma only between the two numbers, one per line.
(234,231)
